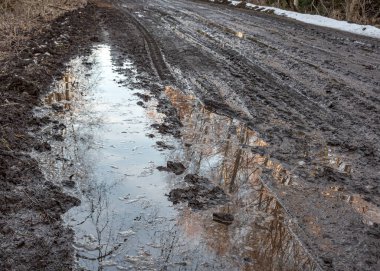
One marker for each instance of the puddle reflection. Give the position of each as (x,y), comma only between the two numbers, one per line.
(222,140)
(224,149)
(125,221)
(124,215)
(63,91)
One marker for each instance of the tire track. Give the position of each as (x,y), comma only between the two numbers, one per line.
(153,49)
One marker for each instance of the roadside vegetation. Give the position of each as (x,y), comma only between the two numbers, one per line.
(357,11)
(19,19)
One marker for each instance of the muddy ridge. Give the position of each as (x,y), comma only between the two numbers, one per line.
(31,233)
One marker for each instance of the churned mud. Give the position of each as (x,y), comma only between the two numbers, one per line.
(183,135)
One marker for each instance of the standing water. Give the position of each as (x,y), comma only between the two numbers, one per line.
(106,155)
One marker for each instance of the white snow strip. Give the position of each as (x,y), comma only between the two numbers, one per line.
(235,3)
(365,30)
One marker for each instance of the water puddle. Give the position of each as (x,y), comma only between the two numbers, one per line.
(222,141)
(106,153)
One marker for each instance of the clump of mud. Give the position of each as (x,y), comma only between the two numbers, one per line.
(176,167)
(167,128)
(171,123)
(200,193)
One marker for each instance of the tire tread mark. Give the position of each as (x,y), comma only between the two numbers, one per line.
(154,50)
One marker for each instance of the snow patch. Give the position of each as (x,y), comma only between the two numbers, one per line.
(365,30)
(235,3)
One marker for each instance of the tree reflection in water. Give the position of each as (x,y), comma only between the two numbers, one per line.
(224,149)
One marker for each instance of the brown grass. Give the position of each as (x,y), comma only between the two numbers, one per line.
(18,18)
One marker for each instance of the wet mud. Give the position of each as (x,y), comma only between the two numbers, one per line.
(307,93)
(176,167)
(32,236)
(265,130)
(199,194)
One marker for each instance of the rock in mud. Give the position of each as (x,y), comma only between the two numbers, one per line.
(58,137)
(58,107)
(42,147)
(200,193)
(140,103)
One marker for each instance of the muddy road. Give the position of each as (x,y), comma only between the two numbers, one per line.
(191,136)
(312,94)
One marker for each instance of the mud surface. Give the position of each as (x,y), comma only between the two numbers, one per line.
(301,103)
(310,93)
(31,232)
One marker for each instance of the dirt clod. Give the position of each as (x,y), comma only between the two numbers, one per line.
(200,194)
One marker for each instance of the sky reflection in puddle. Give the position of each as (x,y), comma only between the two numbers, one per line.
(125,221)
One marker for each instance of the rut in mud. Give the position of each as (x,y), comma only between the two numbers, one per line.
(197,136)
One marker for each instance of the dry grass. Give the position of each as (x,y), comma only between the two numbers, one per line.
(19,17)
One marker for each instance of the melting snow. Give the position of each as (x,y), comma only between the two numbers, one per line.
(365,30)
